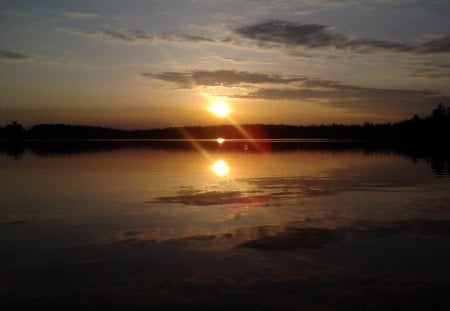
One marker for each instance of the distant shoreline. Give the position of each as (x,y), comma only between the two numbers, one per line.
(433,128)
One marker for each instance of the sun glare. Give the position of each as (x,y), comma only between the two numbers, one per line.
(219,108)
(220,140)
(220,167)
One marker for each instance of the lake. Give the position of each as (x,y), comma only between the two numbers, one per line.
(248,225)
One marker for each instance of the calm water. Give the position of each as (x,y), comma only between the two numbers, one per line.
(279,225)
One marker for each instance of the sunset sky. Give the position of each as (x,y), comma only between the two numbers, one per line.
(144,64)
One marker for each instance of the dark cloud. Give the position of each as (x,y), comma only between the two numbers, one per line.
(105,34)
(281,33)
(335,91)
(116,35)
(357,99)
(437,45)
(371,45)
(291,34)
(314,36)
(185,37)
(220,77)
(11,56)
(181,79)
(136,36)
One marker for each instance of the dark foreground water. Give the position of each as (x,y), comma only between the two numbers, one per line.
(273,225)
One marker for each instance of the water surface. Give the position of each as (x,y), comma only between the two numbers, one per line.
(244,225)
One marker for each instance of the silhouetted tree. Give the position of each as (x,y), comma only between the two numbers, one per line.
(13,130)
(439,112)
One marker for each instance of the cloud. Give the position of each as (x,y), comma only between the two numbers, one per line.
(136,36)
(236,60)
(289,33)
(102,34)
(276,33)
(142,35)
(371,45)
(354,98)
(301,88)
(317,36)
(439,44)
(220,77)
(6,56)
(427,69)
(81,15)
(337,93)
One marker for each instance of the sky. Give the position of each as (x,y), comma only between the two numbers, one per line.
(145,64)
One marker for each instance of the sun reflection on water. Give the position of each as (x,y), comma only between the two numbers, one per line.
(220,168)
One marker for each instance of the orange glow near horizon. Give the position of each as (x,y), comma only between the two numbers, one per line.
(220,168)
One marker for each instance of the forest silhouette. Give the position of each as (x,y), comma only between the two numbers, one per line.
(434,128)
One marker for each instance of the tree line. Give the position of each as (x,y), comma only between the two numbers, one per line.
(433,128)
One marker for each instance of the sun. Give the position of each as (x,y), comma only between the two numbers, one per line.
(219,108)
